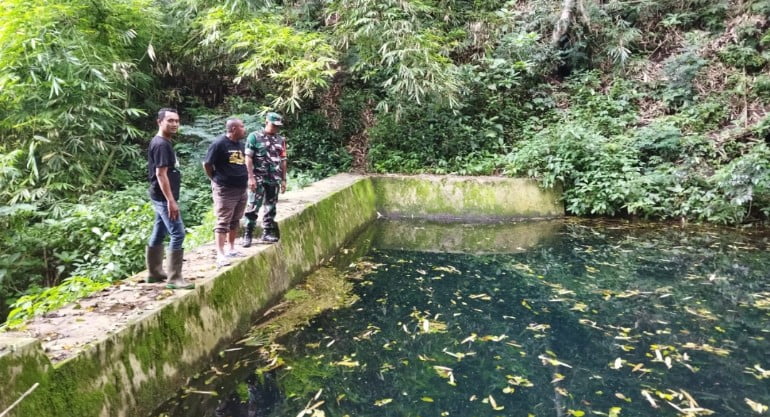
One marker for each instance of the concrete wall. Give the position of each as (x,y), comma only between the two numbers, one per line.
(467,198)
(131,371)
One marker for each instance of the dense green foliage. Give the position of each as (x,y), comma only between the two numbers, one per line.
(653,108)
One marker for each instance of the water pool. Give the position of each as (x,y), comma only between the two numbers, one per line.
(560,318)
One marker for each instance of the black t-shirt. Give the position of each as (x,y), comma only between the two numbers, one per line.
(161,154)
(229,162)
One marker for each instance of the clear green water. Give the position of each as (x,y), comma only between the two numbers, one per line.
(555,319)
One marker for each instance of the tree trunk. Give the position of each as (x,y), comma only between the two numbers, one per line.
(562,25)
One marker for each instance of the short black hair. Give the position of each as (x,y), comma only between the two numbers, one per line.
(162,113)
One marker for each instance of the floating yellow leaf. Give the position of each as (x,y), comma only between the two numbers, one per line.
(484,297)
(576,413)
(614,411)
(758,372)
(427,399)
(494,405)
(757,407)
(384,401)
(579,307)
(489,338)
(348,362)
(648,397)
(519,381)
(706,348)
(538,327)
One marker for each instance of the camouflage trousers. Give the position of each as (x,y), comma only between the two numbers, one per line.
(265,195)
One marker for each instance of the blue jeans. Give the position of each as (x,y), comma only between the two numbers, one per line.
(165,226)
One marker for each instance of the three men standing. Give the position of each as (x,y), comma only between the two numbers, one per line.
(259,166)
(165,182)
(225,165)
(266,166)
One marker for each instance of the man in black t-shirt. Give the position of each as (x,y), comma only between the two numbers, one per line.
(165,181)
(225,165)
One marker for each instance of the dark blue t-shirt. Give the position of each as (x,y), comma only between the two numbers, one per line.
(161,154)
(229,162)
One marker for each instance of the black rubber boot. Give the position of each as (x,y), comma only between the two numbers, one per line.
(248,236)
(153,257)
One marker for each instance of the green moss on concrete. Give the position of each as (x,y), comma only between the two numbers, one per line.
(21,366)
(469,198)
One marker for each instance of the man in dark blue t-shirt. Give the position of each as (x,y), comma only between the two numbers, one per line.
(225,165)
(165,181)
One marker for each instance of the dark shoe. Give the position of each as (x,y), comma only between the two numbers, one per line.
(247,237)
(153,256)
(174,267)
(268,236)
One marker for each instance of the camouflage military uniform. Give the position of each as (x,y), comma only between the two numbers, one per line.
(267,152)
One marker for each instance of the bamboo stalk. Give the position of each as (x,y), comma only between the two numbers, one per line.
(15,403)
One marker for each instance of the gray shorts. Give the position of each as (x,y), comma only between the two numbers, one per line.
(229,205)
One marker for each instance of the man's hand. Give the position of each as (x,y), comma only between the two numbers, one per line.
(252,183)
(173,210)
(283,186)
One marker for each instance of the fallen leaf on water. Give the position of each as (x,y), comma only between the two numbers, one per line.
(758,408)
(347,363)
(648,397)
(450,269)
(622,397)
(758,372)
(494,404)
(552,361)
(384,401)
(491,338)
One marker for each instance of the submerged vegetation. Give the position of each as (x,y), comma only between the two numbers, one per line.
(652,108)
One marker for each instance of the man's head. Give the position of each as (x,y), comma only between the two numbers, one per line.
(168,122)
(235,129)
(273,122)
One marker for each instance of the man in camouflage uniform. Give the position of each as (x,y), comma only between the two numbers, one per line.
(266,166)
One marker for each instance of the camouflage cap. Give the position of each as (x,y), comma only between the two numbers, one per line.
(274,118)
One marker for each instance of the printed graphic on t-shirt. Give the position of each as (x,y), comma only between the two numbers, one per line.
(236,157)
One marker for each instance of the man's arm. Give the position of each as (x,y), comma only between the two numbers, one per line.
(283,171)
(250,171)
(165,187)
(209,170)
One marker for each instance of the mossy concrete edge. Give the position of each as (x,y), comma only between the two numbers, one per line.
(465,198)
(130,372)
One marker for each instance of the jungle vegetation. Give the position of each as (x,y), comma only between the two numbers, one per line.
(649,108)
